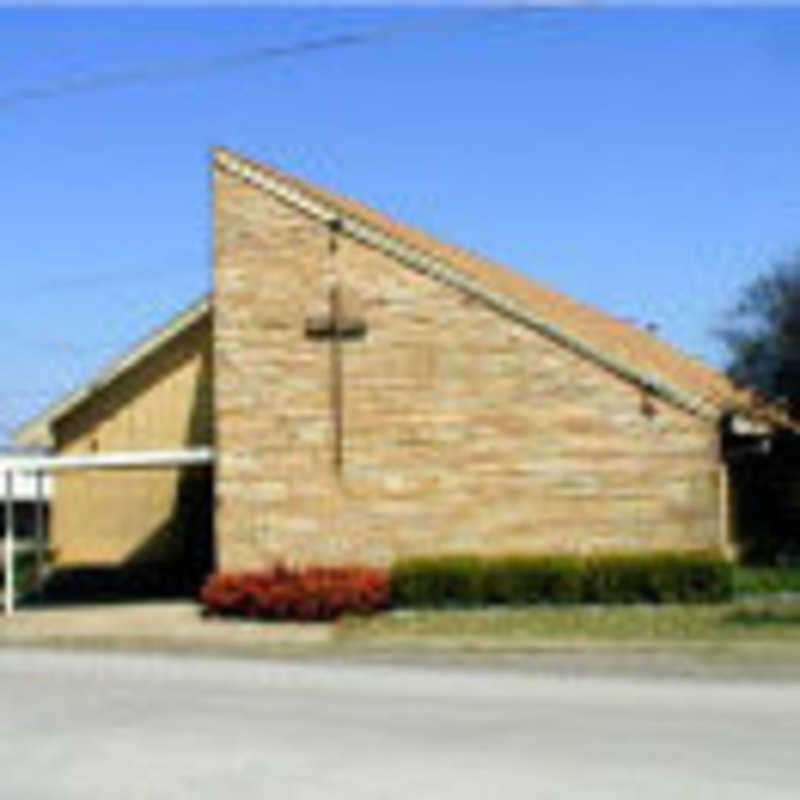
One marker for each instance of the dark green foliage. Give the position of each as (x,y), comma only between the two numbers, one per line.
(657,578)
(766,580)
(762,333)
(24,574)
(452,581)
(523,580)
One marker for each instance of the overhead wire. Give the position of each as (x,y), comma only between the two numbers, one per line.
(175,70)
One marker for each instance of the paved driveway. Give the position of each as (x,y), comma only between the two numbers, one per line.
(80,725)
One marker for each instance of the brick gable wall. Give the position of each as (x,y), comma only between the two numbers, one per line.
(463,430)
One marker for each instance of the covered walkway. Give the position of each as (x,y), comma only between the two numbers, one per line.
(43,466)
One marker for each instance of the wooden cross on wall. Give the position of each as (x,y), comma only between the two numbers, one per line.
(341,320)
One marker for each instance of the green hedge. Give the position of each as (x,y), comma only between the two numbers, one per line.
(24,572)
(464,581)
(766,580)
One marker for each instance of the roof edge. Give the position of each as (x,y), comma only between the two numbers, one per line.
(38,430)
(441,270)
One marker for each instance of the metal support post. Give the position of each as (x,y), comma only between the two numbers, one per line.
(40,538)
(8,575)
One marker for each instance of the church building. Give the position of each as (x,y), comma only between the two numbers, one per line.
(372,393)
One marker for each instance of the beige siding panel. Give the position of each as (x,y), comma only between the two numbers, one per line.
(124,517)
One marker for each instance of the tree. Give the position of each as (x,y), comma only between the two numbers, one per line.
(762,334)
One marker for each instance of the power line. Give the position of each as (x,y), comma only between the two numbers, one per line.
(173,70)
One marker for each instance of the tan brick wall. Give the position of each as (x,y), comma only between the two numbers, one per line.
(103,517)
(463,430)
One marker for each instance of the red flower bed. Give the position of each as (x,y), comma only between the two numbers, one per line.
(314,593)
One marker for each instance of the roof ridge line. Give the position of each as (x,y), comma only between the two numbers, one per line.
(292,191)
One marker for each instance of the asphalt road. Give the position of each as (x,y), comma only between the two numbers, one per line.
(83,725)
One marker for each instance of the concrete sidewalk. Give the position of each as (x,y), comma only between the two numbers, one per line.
(163,627)
(169,626)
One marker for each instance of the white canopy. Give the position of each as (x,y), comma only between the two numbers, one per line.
(26,472)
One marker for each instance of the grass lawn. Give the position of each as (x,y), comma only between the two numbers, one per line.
(758,614)
(753,620)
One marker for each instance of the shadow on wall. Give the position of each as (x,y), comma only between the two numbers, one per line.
(172,562)
(174,559)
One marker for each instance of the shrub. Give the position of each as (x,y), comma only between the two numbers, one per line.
(766,580)
(315,593)
(24,572)
(522,580)
(454,580)
(658,578)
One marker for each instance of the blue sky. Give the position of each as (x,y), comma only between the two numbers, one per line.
(644,161)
